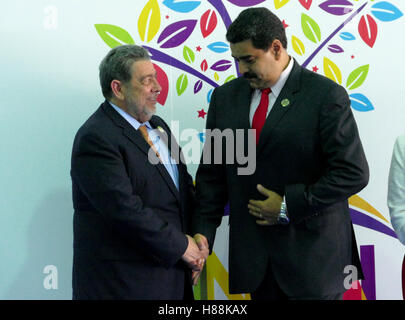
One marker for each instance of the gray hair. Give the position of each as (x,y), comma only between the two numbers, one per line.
(117,65)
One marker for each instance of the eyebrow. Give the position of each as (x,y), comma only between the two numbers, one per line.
(243,57)
(149,75)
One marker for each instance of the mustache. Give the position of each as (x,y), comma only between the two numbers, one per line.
(250,75)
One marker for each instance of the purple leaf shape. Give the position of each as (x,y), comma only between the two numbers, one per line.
(335,48)
(245,3)
(337,7)
(198,85)
(221,65)
(173,37)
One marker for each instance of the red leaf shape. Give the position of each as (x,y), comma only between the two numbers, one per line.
(368,30)
(204,65)
(164,83)
(306,3)
(208,22)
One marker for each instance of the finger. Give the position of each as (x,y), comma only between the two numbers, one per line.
(263,190)
(256,203)
(265,223)
(254,209)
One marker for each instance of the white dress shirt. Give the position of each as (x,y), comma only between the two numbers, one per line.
(396,188)
(275,91)
(167,160)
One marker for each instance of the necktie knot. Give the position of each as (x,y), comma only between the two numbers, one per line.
(266,91)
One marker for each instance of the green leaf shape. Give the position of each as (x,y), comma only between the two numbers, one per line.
(310,28)
(113,36)
(231,77)
(357,77)
(181,84)
(188,54)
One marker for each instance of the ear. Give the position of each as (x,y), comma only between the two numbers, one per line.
(276,48)
(118,89)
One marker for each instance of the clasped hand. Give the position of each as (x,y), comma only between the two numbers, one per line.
(196,253)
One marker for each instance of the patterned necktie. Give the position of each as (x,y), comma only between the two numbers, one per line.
(259,117)
(145,135)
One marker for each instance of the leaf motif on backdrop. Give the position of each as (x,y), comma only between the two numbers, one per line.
(368,30)
(347,36)
(221,65)
(197,86)
(181,84)
(164,83)
(208,22)
(204,65)
(385,11)
(209,94)
(332,71)
(176,33)
(280,3)
(181,6)
(360,102)
(113,36)
(149,21)
(188,54)
(357,77)
(218,47)
(297,45)
(334,48)
(231,77)
(310,28)
(245,3)
(306,3)
(337,7)
(216,76)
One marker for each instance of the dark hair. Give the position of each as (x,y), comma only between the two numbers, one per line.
(259,25)
(117,65)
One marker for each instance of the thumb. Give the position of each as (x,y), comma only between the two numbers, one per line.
(263,190)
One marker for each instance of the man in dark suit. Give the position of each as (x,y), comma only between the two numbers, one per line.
(131,216)
(291,235)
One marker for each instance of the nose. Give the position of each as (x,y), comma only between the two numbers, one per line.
(156,85)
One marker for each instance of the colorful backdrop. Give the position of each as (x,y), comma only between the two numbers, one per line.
(50,55)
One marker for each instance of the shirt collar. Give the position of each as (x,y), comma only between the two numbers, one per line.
(132,121)
(278,86)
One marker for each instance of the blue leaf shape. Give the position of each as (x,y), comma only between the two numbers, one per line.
(360,102)
(201,136)
(182,6)
(209,94)
(347,36)
(386,11)
(218,47)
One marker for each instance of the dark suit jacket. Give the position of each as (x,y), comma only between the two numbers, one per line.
(129,219)
(310,152)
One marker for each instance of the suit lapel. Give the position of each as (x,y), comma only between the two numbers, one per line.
(283,104)
(135,136)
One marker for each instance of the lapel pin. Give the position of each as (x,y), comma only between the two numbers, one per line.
(285,102)
(160,129)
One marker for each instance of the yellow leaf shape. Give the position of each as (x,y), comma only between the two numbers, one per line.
(298,46)
(216,76)
(149,21)
(279,3)
(359,202)
(332,71)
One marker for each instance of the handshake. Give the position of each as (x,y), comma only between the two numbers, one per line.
(196,253)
